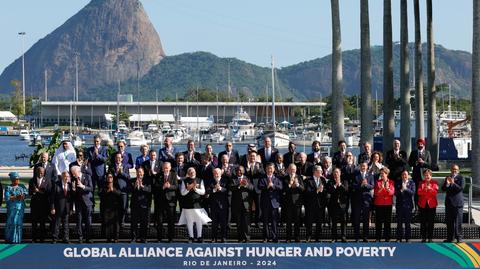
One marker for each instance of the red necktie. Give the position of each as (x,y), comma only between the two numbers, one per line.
(65,190)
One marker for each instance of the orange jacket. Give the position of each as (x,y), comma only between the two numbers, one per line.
(384,196)
(427,195)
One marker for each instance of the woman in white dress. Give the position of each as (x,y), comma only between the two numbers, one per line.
(64,156)
(192,189)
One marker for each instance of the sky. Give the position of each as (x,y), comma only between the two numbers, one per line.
(250,30)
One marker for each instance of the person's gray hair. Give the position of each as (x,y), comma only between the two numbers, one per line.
(75,168)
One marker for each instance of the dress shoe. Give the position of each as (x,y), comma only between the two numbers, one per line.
(459,240)
(54,241)
(115,241)
(275,240)
(430,241)
(143,241)
(223,240)
(190,240)
(66,241)
(297,240)
(80,241)
(88,241)
(399,241)
(447,241)
(424,240)
(169,240)
(344,240)
(407,240)
(289,241)
(308,240)
(365,240)
(199,240)
(265,240)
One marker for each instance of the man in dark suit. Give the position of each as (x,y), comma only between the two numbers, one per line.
(50,172)
(291,155)
(337,204)
(419,160)
(339,158)
(271,190)
(192,157)
(304,167)
(61,199)
(121,181)
(404,192)
(396,161)
(232,154)
(241,189)
(218,202)
(453,186)
(366,154)
(39,189)
(315,157)
(97,156)
(268,153)
(293,188)
(315,202)
(254,171)
(127,159)
(141,201)
(82,186)
(361,194)
(165,187)
(168,152)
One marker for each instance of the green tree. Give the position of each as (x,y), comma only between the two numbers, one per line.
(16,99)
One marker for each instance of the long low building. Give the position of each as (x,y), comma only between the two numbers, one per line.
(92,114)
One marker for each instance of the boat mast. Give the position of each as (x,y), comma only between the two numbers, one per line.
(273,94)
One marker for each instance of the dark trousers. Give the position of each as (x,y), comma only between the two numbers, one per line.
(255,214)
(123,208)
(243,224)
(454,222)
(219,218)
(292,216)
(360,214)
(39,217)
(427,221)
(314,215)
(270,215)
(383,217)
(84,216)
(61,217)
(140,216)
(169,212)
(337,215)
(404,218)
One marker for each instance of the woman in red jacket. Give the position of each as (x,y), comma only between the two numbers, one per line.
(383,200)
(427,203)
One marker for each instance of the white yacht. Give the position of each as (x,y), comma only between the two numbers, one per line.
(241,127)
(24,134)
(136,138)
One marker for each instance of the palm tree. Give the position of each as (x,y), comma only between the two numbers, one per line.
(476,93)
(337,77)
(388,104)
(419,106)
(404,80)
(432,103)
(365,75)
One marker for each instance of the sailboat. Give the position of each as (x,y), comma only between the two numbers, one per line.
(279,140)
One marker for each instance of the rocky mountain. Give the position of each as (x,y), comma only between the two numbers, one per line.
(113,40)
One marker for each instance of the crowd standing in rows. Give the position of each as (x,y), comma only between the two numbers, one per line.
(260,187)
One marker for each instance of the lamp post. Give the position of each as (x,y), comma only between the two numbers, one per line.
(23,68)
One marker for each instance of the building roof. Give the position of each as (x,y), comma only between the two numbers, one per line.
(7,114)
(146,117)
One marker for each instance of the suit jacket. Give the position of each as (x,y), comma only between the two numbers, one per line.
(396,164)
(218,200)
(85,167)
(58,200)
(164,197)
(338,160)
(205,173)
(254,174)
(50,171)
(427,196)
(147,167)
(234,157)
(140,160)
(121,180)
(270,197)
(290,157)
(180,170)
(382,196)
(404,199)
(127,160)
(364,157)
(362,195)
(305,169)
(311,158)
(293,194)
(273,155)
(240,194)
(195,161)
(338,195)
(83,196)
(227,172)
(165,156)
(454,192)
(313,200)
(39,199)
(417,168)
(142,197)
(97,161)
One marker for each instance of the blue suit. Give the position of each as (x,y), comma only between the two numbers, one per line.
(97,164)
(165,156)
(404,206)
(454,207)
(83,205)
(361,202)
(270,202)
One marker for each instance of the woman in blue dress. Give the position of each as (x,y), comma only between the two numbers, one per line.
(15,195)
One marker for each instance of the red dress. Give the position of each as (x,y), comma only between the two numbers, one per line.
(382,196)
